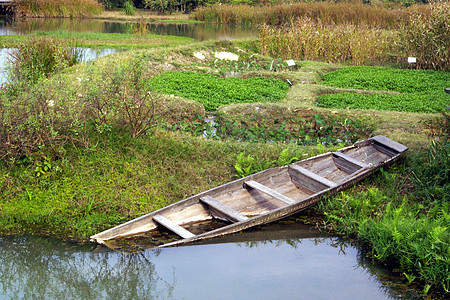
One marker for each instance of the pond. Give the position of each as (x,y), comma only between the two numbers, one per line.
(199,31)
(284,261)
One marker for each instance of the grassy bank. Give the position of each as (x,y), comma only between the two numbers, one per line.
(138,40)
(90,147)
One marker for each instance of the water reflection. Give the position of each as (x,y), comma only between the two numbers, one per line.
(199,31)
(291,268)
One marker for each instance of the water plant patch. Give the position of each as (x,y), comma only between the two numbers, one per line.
(213,91)
(417,90)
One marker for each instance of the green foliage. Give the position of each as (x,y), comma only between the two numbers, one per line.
(432,174)
(418,90)
(427,37)
(213,91)
(247,165)
(128,8)
(39,57)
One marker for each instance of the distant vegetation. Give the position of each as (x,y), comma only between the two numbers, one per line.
(424,34)
(57,8)
(418,90)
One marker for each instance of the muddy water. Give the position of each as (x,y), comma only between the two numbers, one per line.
(276,262)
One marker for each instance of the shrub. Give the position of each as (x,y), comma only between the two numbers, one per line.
(40,57)
(427,37)
(128,8)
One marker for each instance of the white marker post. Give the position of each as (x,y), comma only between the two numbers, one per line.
(412,60)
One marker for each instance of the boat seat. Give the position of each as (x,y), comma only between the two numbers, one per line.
(163,221)
(268,191)
(223,210)
(306,179)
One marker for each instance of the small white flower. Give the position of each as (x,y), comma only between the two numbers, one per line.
(79,79)
(50,103)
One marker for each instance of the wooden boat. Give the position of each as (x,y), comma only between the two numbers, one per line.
(264,197)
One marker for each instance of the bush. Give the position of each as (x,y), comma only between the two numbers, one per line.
(427,37)
(128,8)
(40,57)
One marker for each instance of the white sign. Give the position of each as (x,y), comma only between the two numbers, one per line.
(412,60)
(290,62)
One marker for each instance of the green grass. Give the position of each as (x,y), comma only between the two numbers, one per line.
(418,90)
(104,40)
(213,91)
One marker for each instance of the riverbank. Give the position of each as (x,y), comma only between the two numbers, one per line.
(94,170)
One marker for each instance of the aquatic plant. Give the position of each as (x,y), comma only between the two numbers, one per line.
(39,57)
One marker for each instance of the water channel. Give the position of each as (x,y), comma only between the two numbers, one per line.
(284,261)
(280,261)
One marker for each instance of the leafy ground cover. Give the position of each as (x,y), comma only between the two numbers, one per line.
(213,91)
(417,90)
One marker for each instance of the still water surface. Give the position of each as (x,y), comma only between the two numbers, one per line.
(304,265)
(199,31)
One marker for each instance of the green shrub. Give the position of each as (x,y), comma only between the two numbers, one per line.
(39,57)
(128,8)
(213,91)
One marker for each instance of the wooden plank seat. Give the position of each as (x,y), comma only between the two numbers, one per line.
(347,163)
(163,221)
(268,191)
(388,146)
(224,210)
(306,179)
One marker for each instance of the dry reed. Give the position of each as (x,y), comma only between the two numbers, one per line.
(57,8)
(308,40)
(342,13)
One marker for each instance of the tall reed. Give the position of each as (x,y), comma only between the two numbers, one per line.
(427,37)
(57,8)
(328,13)
(308,40)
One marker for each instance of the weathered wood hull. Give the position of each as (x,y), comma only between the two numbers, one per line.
(264,197)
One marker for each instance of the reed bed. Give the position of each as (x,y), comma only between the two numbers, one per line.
(57,8)
(308,40)
(329,13)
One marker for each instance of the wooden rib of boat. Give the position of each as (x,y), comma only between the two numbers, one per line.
(263,197)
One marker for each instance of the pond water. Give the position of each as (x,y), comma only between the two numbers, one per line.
(199,31)
(284,261)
